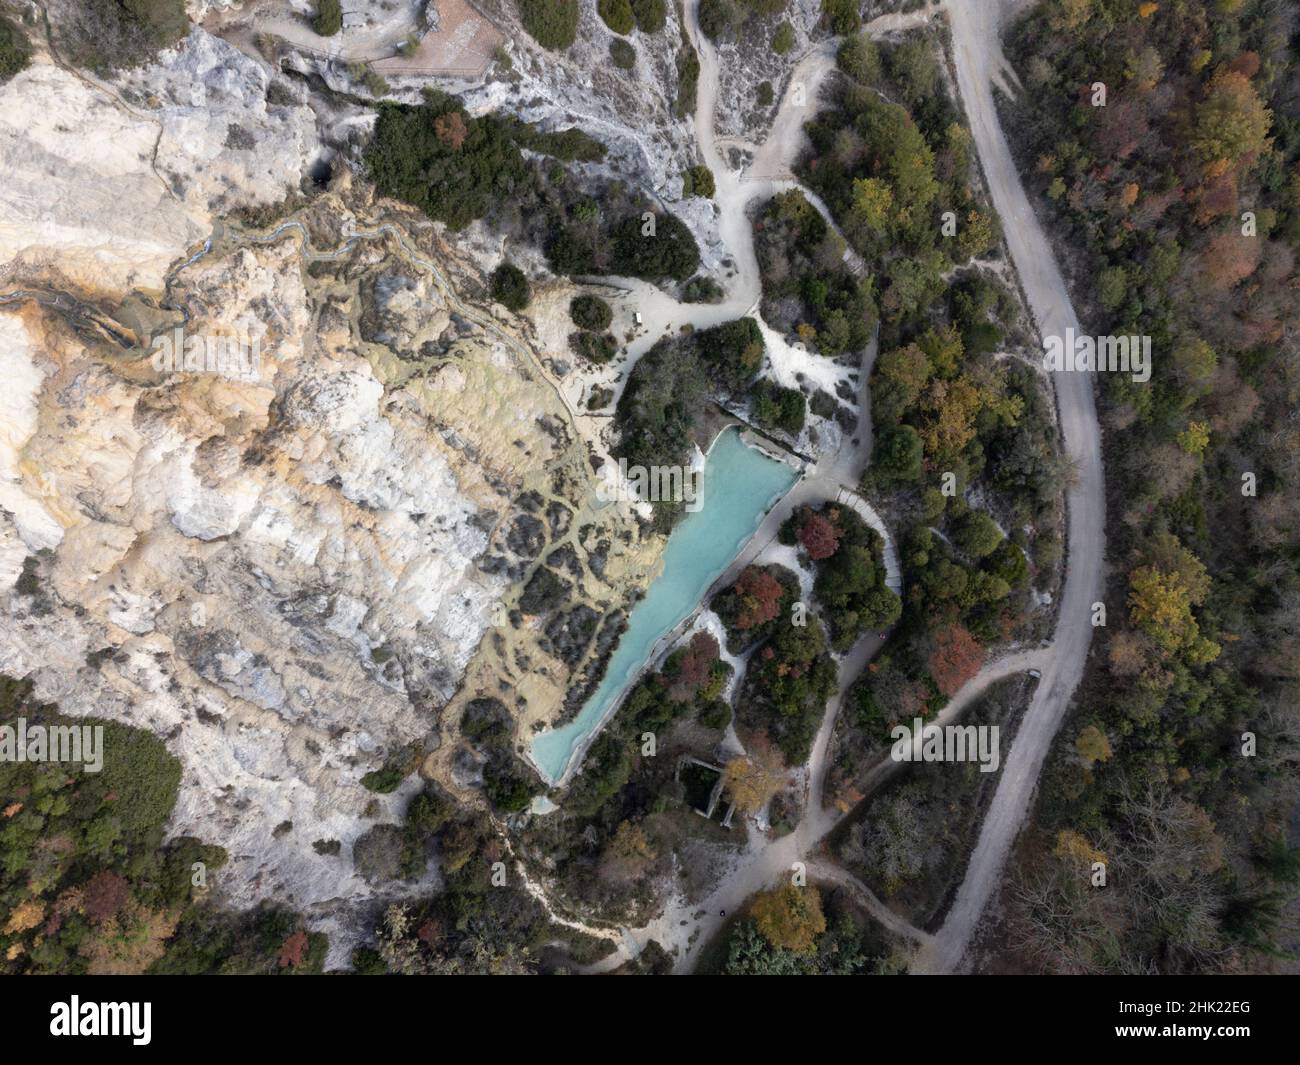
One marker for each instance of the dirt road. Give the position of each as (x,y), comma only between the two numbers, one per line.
(978,58)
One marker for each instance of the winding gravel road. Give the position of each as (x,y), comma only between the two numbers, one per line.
(978,58)
(979,63)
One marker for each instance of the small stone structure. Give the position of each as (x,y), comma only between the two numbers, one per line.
(715,795)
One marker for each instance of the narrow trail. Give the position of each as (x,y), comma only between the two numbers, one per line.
(841,877)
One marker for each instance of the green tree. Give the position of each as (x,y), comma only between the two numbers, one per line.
(733,350)
(510,287)
(650,15)
(901,376)
(782,408)
(977,535)
(718,18)
(859,58)
(977,234)
(1070,15)
(898,456)
(914,66)
(1232,121)
(654,248)
(698,181)
(506,789)
(329,18)
(617,15)
(873,202)
(749,954)
(552,23)
(1113,287)
(622,54)
(590,312)
(594,347)
(842,15)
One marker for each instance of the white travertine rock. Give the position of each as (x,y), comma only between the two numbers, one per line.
(107,185)
(279,573)
(23,377)
(79,196)
(242,600)
(223,144)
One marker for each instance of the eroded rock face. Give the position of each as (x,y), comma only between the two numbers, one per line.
(286,573)
(228,139)
(122,226)
(225,560)
(105,186)
(291,569)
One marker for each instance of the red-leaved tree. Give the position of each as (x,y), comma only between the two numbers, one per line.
(696,664)
(759,594)
(104,894)
(293,950)
(957,656)
(451,130)
(819,536)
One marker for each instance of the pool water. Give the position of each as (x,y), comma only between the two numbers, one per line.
(739,485)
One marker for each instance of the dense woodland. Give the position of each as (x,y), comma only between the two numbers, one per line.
(87,884)
(472,926)
(791,673)
(890,156)
(808,291)
(965,464)
(457,168)
(1176,207)
(789,678)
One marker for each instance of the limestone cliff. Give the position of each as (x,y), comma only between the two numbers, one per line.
(292,565)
